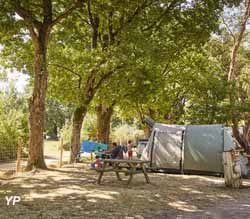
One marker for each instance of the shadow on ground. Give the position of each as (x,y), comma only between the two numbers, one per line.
(73,193)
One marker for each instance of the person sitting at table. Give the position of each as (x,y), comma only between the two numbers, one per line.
(116,152)
(97,163)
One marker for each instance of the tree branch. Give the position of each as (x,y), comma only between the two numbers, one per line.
(47,12)
(110,27)
(228,29)
(26,15)
(231,73)
(158,21)
(67,12)
(29,20)
(90,14)
(106,76)
(69,70)
(84,19)
(131,18)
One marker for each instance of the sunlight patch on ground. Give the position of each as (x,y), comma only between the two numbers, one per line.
(245,205)
(92,200)
(184,206)
(5,191)
(225,196)
(190,190)
(101,196)
(71,191)
(204,178)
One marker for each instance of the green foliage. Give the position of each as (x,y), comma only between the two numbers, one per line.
(55,116)
(65,131)
(89,128)
(13,123)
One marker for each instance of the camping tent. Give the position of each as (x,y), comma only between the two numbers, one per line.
(190,148)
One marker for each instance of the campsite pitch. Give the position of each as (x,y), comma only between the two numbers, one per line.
(72,192)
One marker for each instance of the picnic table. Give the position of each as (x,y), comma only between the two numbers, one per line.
(129,167)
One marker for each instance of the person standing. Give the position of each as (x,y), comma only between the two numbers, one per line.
(130,150)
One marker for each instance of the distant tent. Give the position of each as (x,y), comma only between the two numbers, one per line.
(190,148)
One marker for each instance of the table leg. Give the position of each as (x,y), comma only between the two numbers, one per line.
(101,174)
(99,178)
(145,173)
(133,170)
(116,167)
(130,178)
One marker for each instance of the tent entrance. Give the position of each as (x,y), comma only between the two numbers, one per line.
(167,149)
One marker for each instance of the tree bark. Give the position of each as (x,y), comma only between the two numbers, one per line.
(37,106)
(104,115)
(78,117)
(147,131)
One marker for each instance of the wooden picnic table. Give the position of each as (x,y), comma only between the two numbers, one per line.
(129,167)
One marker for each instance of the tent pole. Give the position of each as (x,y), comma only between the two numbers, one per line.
(182,153)
(152,148)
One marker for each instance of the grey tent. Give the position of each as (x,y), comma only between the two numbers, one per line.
(190,148)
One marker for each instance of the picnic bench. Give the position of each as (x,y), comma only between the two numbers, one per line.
(128,167)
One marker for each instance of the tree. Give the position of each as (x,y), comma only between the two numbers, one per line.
(236,93)
(38,18)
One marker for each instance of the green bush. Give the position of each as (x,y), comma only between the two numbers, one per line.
(13,124)
(13,128)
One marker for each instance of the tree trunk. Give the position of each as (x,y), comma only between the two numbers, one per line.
(104,115)
(55,132)
(232,170)
(78,117)
(37,108)
(147,131)
(246,135)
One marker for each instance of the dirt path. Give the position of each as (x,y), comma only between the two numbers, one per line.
(51,159)
(72,193)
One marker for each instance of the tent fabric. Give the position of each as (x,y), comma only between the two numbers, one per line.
(228,140)
(203,148)
(168,149)
(164,148)
(191,147)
